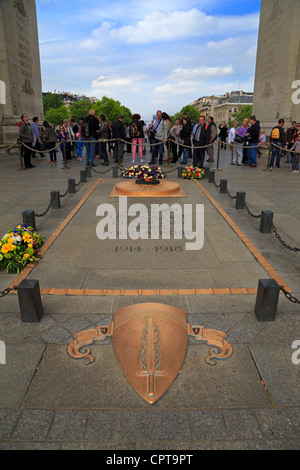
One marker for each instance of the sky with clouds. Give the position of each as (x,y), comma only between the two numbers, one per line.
(148,55)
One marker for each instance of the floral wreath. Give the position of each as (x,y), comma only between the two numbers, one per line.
(143,172)
(19,247)
(192,172)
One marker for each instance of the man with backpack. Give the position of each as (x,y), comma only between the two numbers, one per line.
(136,131)
(278,140)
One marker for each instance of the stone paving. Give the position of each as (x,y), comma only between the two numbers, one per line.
(249,401)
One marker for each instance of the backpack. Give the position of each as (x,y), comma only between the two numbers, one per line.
(85,130)
(275,134)
(134,130)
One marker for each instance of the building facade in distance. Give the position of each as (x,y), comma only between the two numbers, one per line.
(222,108)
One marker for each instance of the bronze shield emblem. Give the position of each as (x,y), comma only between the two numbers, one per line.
(150,342)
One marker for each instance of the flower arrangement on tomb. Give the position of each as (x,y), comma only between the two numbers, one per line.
(19,247)
(192,172)
(145,172)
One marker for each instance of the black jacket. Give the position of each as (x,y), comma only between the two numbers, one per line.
(253,132)
(93,124)
(118,130)
(185,134)
(204,136)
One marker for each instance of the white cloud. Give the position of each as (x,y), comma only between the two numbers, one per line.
(111,82)
(117,81)
(148,54)
(223,45)
(200,73)
(160,26)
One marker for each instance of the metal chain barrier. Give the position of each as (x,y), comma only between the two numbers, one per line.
(289,296)
(101,172)
(258,216)
(228,194)
(45,211)
(63,195)
(6,291)
(283,243)
(250,213)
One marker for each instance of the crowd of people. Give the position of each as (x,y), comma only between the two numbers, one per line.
(182,140)
(250,134)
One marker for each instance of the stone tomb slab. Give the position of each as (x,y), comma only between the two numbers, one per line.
(78,259)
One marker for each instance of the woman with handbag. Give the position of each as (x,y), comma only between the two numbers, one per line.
(239,141)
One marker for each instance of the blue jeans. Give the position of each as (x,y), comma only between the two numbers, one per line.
(276,152)
(103,151)
(90,150)
(252,148)
(155,149)
(186,154)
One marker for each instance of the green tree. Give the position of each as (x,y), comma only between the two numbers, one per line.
(111,109)
(191,112)
(243,113)
(56,116)
(80,109)
(52,100)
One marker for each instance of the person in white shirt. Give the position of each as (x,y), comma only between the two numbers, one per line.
(231,138)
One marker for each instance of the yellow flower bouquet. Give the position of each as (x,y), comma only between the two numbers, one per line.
(19,247)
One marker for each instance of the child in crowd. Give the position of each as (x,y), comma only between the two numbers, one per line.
(296,148)
(79,145)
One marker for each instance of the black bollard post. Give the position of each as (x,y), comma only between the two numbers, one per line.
(211,176)
(82,176)
(71,186)
(266,300)
(266,222)
(223,186)
(29,219)
(115,172)
(55,199)
(240,200)
(88,171)
(206,172)
(30,302)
